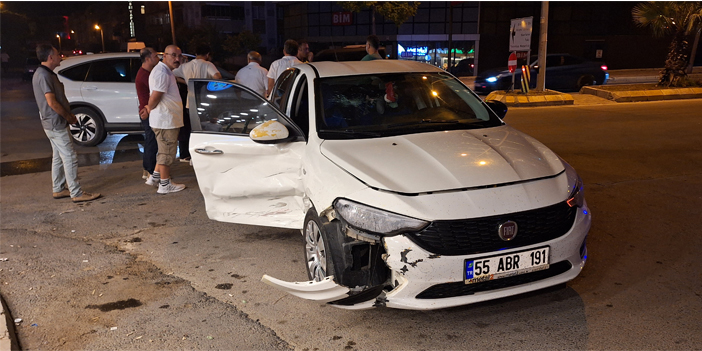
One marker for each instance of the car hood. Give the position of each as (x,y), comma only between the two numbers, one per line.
(446,160)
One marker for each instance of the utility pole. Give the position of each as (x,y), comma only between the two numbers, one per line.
(543,39)
(170,13)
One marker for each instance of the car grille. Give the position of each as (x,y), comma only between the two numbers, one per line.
(478,235)
(441,291)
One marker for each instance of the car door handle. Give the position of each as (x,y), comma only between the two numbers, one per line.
(209,152)
(93,87)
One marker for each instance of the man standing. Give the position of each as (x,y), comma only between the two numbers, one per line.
(56,115)
(303,51)
(372,45)
(253,75)
(165,111)
(280,65)
(149,60)
(200,67)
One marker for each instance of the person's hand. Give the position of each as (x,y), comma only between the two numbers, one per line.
(72,119)
(143,113)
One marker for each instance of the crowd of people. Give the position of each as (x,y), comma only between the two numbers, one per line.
(161,86)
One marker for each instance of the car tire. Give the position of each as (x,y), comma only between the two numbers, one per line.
(585,81)
(321,248)
(90,129)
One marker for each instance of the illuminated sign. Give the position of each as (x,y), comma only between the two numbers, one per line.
(342,18)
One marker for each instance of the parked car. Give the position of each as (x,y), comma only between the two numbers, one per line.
(409,190)
(101,91)
(563,73)
(30,66)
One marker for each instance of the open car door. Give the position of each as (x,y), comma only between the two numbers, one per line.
(242,180)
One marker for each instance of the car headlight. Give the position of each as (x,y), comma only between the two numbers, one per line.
(375,220)
(492,79)
(577,195)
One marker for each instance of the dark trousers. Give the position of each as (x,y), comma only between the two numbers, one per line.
(150,147)
(184,135)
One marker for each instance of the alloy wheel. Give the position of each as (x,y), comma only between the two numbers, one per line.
(315,252)
(85,129)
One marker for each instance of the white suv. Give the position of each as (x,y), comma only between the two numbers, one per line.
(101,91)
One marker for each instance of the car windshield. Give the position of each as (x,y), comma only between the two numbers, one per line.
(379,105)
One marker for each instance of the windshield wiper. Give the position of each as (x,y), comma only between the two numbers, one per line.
(349,132)
(451,121)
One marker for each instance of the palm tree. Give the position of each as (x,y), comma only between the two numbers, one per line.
(676,18)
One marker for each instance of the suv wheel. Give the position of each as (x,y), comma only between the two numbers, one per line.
(90,129)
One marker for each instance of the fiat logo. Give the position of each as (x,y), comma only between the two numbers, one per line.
(507,230)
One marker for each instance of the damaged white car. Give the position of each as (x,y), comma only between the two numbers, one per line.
(409,190)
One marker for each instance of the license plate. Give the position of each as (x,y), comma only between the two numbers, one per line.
(502,266)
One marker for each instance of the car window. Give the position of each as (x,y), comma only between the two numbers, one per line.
(136,64)
(76,73)
(394,104)
(554,61)
(279,95)
(225,108)
(110,71)
(571,60)
(300,109)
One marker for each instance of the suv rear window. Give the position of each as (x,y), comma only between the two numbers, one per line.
(76,73)
(110,71)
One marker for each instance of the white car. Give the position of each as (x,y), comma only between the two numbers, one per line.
(409,190)
(102,93)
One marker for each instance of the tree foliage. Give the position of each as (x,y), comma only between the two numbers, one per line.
(242,43)
(396,11)
(678,19)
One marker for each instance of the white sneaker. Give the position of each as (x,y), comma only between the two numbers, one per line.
(145,174)
(170,188)
(151,181)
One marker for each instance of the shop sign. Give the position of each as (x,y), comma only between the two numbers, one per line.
(342,18)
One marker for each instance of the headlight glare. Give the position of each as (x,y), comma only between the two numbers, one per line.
(375,220)
(492,79)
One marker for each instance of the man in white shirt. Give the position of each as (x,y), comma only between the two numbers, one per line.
(200,67)
(253,75)
(278,66)
(165,110)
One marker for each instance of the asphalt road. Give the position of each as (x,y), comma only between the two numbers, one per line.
(194,283)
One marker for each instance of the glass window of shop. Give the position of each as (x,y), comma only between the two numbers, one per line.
(437,54)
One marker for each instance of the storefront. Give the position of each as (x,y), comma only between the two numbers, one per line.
(434,50)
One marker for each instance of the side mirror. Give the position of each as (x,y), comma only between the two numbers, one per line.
(270,132)
(498,107)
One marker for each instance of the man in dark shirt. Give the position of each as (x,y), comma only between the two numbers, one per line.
(55,114)
(149,59)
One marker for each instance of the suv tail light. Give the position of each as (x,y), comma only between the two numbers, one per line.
(604,67)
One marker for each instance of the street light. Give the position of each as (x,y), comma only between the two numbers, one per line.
(59,38)
(102,36)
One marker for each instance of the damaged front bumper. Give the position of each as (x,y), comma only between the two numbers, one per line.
(422,280)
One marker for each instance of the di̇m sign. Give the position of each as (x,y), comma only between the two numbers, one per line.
(342,18)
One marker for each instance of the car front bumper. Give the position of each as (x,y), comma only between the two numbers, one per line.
(414,270)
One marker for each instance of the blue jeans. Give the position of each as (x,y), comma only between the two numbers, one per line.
(150,147)
(64,165)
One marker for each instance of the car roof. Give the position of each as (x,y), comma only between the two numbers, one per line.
(348,68)
(74,60)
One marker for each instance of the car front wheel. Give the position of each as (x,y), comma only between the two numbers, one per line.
(90,129)
(317,254)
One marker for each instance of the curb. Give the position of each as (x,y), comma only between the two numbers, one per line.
(521,100)
(644,95)
(8,338)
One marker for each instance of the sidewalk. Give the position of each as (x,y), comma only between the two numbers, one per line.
(590,94)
